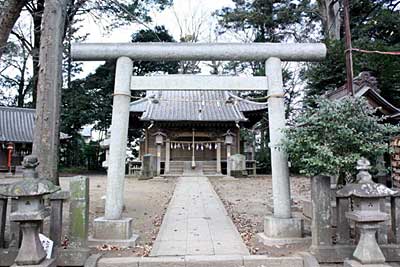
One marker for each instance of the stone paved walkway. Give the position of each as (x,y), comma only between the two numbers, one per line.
(196,223)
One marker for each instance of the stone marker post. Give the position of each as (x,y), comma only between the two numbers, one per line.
(321,211)
(281,224)
(112,228)
(148,167)
(79,212)
(238,165)
(77,251)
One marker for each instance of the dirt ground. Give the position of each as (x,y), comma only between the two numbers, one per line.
(146,202)
(248,200)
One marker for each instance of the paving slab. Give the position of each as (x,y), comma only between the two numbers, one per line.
(196,223)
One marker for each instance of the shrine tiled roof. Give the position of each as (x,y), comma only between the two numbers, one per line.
(16,124)
(365,85)
(194,106)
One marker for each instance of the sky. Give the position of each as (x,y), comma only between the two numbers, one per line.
(180,16)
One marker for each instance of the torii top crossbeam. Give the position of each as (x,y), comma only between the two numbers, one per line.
(199,51)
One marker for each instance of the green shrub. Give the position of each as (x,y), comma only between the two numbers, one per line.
(331,137)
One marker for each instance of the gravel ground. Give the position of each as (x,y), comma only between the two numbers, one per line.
(249,200)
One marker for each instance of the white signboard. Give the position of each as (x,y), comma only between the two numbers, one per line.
(47,244)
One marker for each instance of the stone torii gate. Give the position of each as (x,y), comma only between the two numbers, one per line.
(112,228)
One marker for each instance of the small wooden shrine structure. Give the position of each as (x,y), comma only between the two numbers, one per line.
(16,135)
(365,85)
(196,129)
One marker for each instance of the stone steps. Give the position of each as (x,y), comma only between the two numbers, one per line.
(176,167)
(209,168)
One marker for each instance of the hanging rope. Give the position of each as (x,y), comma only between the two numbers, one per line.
(393,53)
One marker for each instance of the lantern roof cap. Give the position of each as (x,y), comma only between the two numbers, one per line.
(29,187)
(366,190)
(364,186)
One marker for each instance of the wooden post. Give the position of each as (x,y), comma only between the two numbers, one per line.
(47,123)
(10,148)
(3,213)
(219,156)
(228,156)
(158,157)
(193,146)
(348,51)
(167,155)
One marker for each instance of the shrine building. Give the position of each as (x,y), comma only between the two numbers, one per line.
(195,129)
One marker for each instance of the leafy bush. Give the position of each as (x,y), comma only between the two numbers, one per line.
(330,138)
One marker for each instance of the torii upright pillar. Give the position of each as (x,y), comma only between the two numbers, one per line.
(113,228)
(281,225)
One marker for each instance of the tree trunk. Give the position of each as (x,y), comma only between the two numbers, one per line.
(37,16)
(330,14)
(9,14)
(21,85)
(47,128)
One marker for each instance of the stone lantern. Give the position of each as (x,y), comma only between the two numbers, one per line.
(30,212)
(366,196)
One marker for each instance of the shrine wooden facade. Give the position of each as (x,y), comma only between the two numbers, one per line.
(199,128)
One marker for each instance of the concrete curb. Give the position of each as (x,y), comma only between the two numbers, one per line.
(309,259)
(204,261)
(93,260)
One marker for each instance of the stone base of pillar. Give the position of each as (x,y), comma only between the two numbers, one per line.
(45,263)
(282,231)
(354,263)
(113,232)
(72,256)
